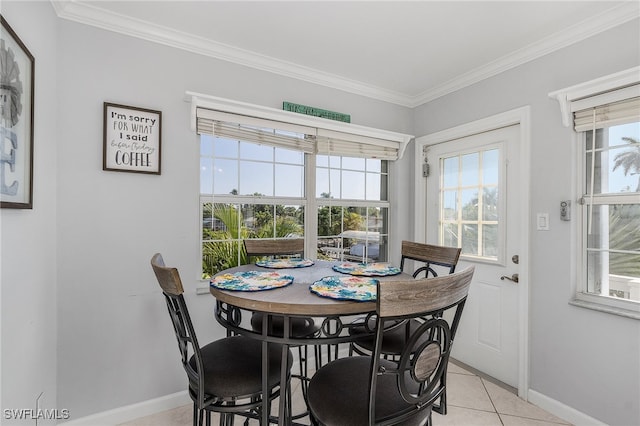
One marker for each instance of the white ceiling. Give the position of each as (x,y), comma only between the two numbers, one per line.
(404,52)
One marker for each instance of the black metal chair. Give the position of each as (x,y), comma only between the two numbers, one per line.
(372,390)
(224,376)
(434,259)
(300,327)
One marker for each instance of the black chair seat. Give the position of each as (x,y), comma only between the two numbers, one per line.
(338,394)
(300,327)
(394,338)
(233,366)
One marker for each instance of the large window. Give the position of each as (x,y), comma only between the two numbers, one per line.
(251,190)
(605,114)
(268,173)
(611,211)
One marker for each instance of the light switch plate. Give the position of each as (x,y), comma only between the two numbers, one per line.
(542,221)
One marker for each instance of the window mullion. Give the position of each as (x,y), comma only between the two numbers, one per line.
(311,209)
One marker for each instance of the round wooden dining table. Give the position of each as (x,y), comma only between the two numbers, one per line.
(234,309)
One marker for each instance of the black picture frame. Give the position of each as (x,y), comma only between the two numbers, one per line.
(132,139)
(16,120)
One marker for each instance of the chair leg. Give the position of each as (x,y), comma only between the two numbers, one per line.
(226,419)
(441,407)
(200,417)
(289,414)
(196,415)
(303,353)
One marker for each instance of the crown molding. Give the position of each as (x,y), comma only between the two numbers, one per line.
(572,34)
(90,14)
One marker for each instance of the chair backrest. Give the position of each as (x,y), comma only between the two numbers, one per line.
(171,284)
(430,255)
(424,358)
(268,247)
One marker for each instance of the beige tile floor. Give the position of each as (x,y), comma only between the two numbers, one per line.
(472,400)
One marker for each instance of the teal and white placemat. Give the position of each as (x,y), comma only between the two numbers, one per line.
(367,269)
(285,263)
(251,281)
(360,289)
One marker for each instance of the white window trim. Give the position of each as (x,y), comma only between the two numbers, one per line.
(567,98)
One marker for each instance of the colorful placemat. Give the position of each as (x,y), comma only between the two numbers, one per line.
(360,289)
(251,281)
(367,269)
(285,263)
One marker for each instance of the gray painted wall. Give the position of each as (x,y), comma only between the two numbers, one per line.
(582,358)
(81,317)
(29,237)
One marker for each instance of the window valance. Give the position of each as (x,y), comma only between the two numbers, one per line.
(614,98)
(273,127)
(607,114)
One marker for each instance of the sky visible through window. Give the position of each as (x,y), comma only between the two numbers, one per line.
(249,169)
(618,181)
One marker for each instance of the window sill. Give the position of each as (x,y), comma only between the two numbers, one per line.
(615,310)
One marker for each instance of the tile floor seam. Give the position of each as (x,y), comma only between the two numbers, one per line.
(532,418)
(495,409)
(470,408)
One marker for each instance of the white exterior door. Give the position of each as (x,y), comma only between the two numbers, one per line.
(473,201)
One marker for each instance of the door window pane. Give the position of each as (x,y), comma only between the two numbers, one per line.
(490,167)
(470,202)
(469,169)
(469,215)
(450,172)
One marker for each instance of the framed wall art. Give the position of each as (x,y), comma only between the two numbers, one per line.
(132,139)
(17,68)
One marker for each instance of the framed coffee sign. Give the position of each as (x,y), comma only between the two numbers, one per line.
(132,139)
(17,67)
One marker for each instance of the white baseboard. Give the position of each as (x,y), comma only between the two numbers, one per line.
(133,411)
(558,409)
(146,408)
(168,402)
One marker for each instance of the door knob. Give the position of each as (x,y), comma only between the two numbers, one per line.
(513,278)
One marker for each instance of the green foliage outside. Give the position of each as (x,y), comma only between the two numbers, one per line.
(624,220)
(624,234)
(226,249)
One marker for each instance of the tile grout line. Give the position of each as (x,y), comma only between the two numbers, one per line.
(491,400)
(512,415)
